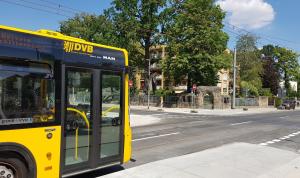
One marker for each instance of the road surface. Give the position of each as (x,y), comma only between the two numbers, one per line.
(180,134)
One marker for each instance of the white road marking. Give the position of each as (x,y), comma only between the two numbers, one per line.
(195,122)
(160,114)
(240,123)
(284,117)
(280,139)
(276,140)
(157,136)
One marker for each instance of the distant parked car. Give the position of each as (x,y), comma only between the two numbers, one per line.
(288,104)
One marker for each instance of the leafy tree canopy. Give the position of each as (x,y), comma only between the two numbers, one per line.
(196,40)
(137,23)
(279,64)
(249,62)
(287,63)
(270,75)
(98,29)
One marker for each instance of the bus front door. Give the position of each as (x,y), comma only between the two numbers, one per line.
(93,119)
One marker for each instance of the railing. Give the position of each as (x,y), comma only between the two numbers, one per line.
(224,102)
(246,102)
(168,101)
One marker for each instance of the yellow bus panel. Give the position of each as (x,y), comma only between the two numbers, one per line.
(46,152)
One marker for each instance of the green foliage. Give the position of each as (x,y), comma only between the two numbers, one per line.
(265,92)
(196,41)
(93,28)
(292,93)
(224,60)
(268,51)
(278,102)
(287,65)
(279,63)
(137,24)
(247,43)
(163,92)
(251,89)
(248,60)
(270,75)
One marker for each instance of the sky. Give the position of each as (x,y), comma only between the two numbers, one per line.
(273,21)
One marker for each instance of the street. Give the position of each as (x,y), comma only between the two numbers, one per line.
(180,134)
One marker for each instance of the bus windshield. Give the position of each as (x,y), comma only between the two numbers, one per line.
(26,93)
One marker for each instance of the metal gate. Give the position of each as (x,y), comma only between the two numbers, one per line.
(208,101)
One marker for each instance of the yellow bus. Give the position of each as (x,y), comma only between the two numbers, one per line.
(63,105)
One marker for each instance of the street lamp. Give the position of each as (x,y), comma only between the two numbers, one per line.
(234,80)
(149,77)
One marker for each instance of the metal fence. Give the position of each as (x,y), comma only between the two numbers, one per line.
(188,101)
(246,102)
(168,101)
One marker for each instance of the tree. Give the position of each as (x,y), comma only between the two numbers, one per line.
(270,75)
(193,32)
(287,63)
(248,60)
(93,28)
(137,21)
(138,26)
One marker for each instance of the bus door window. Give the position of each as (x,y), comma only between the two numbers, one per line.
(78,121)
(110,120)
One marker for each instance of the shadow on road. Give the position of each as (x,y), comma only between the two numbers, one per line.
(100,172)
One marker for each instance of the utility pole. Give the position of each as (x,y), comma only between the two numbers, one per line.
(234,80)
(149,78)
(162,79)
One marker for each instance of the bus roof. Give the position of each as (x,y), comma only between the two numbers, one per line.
(57,35)
(74,49)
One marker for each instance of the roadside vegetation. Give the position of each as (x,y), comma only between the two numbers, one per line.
(193,32)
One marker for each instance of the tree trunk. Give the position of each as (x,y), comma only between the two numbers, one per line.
(286,82)
(147,58)
(189,84)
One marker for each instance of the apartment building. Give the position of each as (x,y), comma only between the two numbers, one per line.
(162,81)
(224,77)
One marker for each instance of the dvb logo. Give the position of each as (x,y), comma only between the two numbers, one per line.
(78,47)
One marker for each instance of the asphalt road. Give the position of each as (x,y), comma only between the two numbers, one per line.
(180,134)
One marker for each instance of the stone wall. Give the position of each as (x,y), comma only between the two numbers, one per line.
(213,91)
(263,101)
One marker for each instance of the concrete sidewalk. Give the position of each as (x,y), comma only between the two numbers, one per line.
(238,160)
(216,112)
(143,120)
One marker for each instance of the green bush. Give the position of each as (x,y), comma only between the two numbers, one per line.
(278,102)
(292,93)
(253,91)
(265,92)
(162,92)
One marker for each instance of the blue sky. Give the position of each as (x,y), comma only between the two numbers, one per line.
(22,17)
(274,21)
(283,30)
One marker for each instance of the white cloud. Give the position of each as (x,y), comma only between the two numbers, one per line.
(251,14)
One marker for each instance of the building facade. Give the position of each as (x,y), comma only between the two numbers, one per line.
(224,77)
(160,81)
